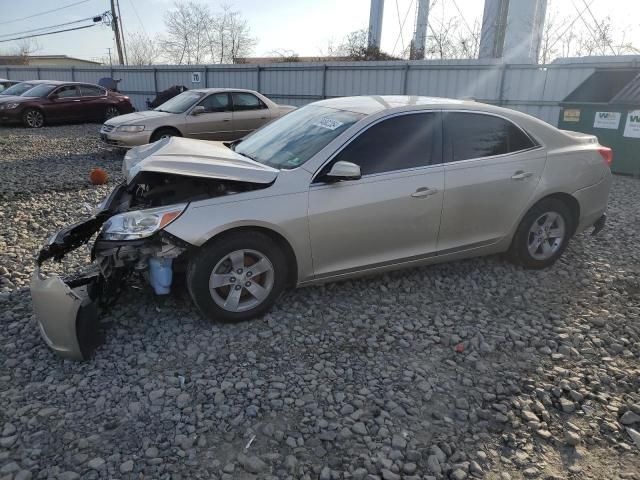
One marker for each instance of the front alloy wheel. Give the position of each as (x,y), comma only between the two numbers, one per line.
(241,280)
(33,118)
(237,276)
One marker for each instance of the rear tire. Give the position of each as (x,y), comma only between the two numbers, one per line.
(33,118)
(164,132)
(237,277)
(543,234)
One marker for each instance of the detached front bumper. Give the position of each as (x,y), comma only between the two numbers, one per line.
(66,313)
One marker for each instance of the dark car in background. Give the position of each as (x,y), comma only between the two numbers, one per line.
(5,83)
(49,101)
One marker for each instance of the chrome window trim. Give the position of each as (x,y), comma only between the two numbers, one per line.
(537,145)
(364,129)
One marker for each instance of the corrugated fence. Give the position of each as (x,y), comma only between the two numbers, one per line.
(534,89)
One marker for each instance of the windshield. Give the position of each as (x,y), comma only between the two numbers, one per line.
(39,90)
(292,140)
(18,88)
(180,103)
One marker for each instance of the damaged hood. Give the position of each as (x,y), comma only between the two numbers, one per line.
(137,118)
(195,158)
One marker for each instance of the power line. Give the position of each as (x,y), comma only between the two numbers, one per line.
(48,27)
(604,36)
(135,10)
(49,33)
(463,19)
(44,13)
(401,28)
(400,25)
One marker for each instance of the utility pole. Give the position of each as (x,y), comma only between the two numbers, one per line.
(110,61)
(121,24)
(116,31)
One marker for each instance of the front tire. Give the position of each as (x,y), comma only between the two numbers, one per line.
(33,118)
(543,234)
(164,132)
(237,277)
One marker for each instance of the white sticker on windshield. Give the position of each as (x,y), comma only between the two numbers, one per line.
(328,123)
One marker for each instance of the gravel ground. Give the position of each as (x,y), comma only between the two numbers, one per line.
(353,380)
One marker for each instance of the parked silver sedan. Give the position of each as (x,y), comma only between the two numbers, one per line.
(336,189)
(205,114)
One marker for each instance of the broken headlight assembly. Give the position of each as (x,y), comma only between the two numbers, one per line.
(139,224)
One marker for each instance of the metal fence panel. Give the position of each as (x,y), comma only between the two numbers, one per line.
(534,89)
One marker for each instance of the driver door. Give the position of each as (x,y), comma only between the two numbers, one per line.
(215,123)
(392,214)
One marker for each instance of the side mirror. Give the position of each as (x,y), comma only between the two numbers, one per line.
(53,96)
(198,110)
(343,171)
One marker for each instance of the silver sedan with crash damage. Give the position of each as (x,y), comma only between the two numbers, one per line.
(336,189)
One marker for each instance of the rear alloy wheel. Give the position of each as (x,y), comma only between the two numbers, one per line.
(33,118)
(543,234)
(111,112)
(237,277)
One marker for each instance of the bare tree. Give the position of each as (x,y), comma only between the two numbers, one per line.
(285,55)
(355,46)
(186,40)
(229,36)
(141,49)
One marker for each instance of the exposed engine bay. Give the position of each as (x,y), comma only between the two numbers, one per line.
(76,299)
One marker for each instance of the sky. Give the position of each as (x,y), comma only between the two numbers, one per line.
(304,26)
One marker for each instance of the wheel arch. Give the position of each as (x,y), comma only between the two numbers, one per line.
(277,237)
(166,127)
(569,200)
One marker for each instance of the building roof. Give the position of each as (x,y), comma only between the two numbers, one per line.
(26,59)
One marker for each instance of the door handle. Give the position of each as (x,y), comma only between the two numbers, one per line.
(226,120)
(521,175)
(423,192)
(76,100)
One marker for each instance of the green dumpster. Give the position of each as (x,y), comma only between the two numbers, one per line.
(607,105)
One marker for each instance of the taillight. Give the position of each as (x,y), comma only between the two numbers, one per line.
(607,155)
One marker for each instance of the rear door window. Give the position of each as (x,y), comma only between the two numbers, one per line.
(243,101)
(473,135)
(91,91)
(398,143)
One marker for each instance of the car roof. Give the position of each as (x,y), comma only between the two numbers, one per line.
(217,89)
(370,104)
(59,82)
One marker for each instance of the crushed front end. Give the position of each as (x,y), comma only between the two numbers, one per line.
(162,180)
(67,309)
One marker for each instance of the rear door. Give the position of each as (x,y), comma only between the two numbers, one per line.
(249,113)
(492,168)
(216,123)
(65,104)
(391,214)
(94,102)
